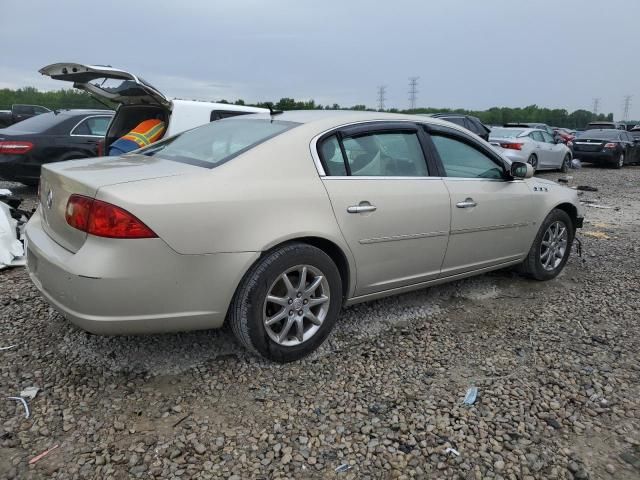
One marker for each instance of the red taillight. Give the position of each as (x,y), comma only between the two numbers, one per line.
(511,146)
(609,145)
(10,147)
(103,219)
(100,148)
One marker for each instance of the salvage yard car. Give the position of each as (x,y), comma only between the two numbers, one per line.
(612,147)
(533,146)
(274,222)
(50,137)
(138,100)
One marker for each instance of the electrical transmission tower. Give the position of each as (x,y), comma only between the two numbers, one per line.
(413,92)
(627,107)
(382,96)
(596,106)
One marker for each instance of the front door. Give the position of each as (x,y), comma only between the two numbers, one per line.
(491,214)
(394,217)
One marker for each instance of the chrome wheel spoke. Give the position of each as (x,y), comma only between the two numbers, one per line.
(313,302)
(303,279)
(278,300)
(314,285)
(277,317)
(313,319)
(287,283)
(285,330)
(300,329)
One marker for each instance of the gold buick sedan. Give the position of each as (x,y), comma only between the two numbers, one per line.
(273,222)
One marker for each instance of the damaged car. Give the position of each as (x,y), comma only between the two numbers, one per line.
(274,222)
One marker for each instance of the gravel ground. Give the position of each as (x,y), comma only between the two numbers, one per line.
(556,365)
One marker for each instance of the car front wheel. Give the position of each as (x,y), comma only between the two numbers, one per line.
(287,303)
(551,247)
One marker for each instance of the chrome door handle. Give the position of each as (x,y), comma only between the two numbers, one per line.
(468,203)
(362,208)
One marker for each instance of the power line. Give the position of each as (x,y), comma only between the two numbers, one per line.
(413,92)
(627,108)
(382,96)
(596,106)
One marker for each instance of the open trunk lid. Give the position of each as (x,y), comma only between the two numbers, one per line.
(107,83)
(58,181)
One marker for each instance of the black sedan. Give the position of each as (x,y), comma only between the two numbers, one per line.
(472,124)
(611,147)
(50,137)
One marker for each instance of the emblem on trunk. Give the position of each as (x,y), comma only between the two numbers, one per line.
(49,198)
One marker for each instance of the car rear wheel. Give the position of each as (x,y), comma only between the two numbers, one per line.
(533,161)
(566,164)
(619,162)
(551,247)
(287,303)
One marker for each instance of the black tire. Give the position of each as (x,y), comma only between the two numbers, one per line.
(566,163)
(618,163)
(246,311)
(533,161)
(532,265)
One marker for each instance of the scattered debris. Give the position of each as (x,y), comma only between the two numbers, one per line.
(29,392)
(43,454)
(343,468)
(586,188)
(5,192)
(12,223)
(552,422)
(470,397)
(596,234)
(452,450)
(27,414)
(181,419)
(575,163)
(590,203)
(9,347)
(565,179)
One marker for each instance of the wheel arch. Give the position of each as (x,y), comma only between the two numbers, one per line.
(570,210)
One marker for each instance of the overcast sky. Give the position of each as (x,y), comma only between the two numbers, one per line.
(468,53)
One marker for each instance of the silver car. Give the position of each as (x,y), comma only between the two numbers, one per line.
(533,146)
(274,222)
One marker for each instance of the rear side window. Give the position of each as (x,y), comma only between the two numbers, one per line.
(23,110)
(93,126)
(38,124)
(384,154)
(537,136)
(462,160)
(217,142)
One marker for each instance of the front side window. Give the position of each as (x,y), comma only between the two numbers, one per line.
(462,160)
(217,142)
(385,155)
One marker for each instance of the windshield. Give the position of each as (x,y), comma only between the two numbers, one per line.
(602,134)
(217,142)
(505,133)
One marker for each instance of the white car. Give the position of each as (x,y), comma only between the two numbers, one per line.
(139,101)
(533,146)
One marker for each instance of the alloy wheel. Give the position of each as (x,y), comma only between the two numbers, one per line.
(296,305)
(554,245)
(621,160)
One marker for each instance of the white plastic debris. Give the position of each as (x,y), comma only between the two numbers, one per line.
(8,348)
(29,392)
(11,249)
(5,192)
(24,403)
(343,468)
(575,163)
(470,397)
(452,450)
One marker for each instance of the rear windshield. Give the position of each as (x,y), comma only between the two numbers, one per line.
(505,133)
(609,134)
(38,124)
(217,142)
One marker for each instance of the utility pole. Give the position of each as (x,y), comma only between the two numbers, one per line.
(382,96)
(596,106)
(627,107)
(413,92)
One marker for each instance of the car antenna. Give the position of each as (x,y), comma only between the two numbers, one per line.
(273,111)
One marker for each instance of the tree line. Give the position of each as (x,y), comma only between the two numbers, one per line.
(70,98)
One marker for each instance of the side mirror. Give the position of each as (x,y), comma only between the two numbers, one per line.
(521,170)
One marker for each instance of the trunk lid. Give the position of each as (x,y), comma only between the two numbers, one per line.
(107,83)
(588,145)
(58,181)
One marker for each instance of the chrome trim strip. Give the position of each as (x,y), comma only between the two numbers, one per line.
(487,229)
(395,238)
(346,177)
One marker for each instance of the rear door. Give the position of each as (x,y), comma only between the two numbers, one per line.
(555,151)
(393,214)
(107,83)
(491,214)
(89,131)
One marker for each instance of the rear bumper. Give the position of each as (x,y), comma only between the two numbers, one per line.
(600,156)
(122,287)
(19,168)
